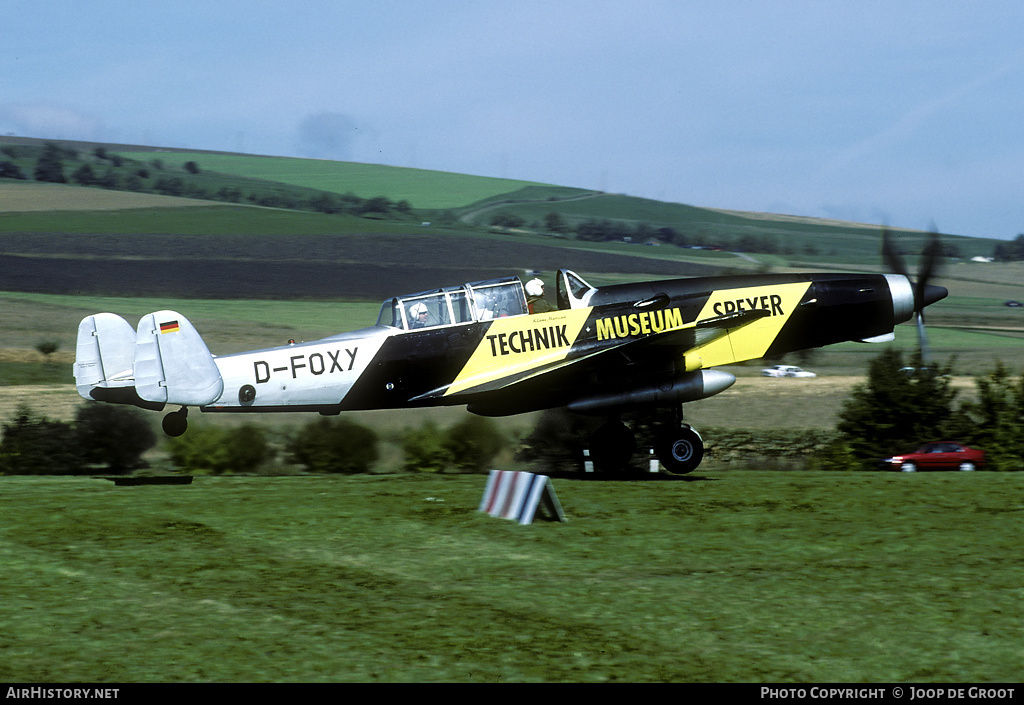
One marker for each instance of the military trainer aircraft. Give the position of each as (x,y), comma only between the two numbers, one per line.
(601,351)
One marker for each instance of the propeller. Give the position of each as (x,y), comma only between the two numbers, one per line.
(925,293)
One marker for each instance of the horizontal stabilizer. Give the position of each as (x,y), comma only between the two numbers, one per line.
(172,363)
(105,354)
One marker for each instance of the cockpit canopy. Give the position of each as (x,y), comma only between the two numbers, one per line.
(479,301)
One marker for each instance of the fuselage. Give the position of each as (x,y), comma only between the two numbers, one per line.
(520,361)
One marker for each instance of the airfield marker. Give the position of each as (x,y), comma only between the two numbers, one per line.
(519,495)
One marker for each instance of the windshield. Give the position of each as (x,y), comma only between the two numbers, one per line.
(480,301)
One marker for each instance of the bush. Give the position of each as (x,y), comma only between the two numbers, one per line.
(834,455)
(557,441)
(993,422)
(894,411)
(473,443)
(113,435)
(425,449)
(219,450)
(48,347)
(771,448)
(467,446)
(35,445)
(339,445)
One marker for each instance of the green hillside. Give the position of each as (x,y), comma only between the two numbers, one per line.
(305,196)
(423,189)
(407,197)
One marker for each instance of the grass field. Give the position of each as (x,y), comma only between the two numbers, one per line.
(738,577)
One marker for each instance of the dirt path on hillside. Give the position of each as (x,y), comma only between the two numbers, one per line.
(469,217)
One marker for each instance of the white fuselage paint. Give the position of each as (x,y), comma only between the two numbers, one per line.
(319,372)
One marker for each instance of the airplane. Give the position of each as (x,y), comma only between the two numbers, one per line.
(602,351)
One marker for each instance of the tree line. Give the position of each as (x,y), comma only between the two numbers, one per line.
(1012,251)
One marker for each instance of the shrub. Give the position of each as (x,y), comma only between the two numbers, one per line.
(833,455)
(113,435)
(245,449)
(425,449)
(219,450)
(35,445)
(473,443)
(339,445)
(48,347)
(994,420)
(557,441)
(894,411)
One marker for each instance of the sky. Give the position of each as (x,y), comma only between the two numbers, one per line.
(909,114)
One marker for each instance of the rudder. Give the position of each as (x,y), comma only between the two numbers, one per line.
(172,363)
(104,354)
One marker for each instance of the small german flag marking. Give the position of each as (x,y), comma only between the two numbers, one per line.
(170,327)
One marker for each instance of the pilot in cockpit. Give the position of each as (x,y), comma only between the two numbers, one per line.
(418,315)
(485,305)
(535,301)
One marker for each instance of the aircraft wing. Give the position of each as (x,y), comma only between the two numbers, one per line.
(677,343)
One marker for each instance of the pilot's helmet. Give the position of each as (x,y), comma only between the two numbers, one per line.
(535,287)
(418,309)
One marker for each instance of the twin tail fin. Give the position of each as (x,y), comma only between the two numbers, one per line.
(163,361)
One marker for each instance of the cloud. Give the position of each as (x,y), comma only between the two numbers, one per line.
(326,136)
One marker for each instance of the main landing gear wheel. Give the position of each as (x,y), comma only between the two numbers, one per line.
(612,447)
(176,423)
(680,450)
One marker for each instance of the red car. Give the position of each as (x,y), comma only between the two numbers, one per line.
(943,455)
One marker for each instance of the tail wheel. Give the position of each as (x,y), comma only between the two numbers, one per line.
(680,450)
(176,423)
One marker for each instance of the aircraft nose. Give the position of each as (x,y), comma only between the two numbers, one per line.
(933,293)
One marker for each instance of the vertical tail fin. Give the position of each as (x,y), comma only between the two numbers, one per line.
(105,354)
(172,363)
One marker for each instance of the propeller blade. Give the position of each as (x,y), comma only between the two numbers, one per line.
(925,293)
(922,339)
(892,257)
(929,262)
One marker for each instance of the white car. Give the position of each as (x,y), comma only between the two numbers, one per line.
(786,371)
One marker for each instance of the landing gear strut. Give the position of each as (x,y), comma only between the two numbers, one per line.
(612,446)
(176,422)
(678,446)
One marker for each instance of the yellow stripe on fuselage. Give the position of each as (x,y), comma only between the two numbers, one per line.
(518,344)
(752,340)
